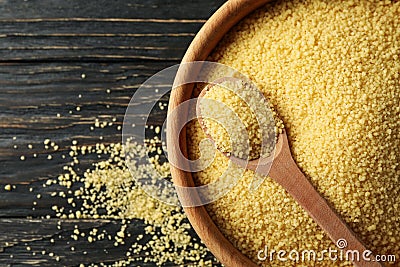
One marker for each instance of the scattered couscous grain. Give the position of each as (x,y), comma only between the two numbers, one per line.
(109,186)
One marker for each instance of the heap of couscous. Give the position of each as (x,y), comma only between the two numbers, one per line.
(122,218)
(331,69)
(238,131)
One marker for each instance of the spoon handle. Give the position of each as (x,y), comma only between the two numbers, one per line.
(286,172)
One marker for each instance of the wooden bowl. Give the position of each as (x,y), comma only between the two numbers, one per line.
(202,45)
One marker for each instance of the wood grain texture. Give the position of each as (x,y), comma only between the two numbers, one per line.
(33,94)
(47,242)
(119,9)
(99,30)
(45,47)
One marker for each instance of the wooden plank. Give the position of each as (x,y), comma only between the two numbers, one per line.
(120,9)
(32,96)
(56,56)
(62,48)
(54,236)
(98,30)
(102,40)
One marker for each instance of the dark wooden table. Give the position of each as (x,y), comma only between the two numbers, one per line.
(54,57)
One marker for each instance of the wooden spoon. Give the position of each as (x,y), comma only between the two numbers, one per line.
(285,172)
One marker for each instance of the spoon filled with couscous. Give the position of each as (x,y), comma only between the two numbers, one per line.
(222,106)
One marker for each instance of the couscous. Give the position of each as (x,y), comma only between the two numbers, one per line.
(331,69)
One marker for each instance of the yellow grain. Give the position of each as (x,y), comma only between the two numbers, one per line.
(331,69)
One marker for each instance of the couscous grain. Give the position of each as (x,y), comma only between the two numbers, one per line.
(238,131)
(331,69)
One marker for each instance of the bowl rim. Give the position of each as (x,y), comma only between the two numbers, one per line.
(228,15)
